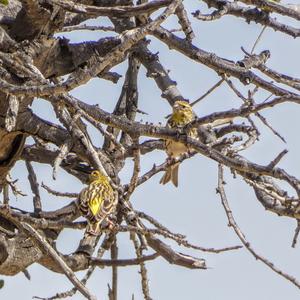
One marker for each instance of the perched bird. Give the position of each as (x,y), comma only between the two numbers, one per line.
(267,9)
(97,201)
(4,2)
(181,116)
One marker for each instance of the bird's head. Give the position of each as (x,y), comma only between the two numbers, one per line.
(97,176)
(182,112)
(180,106)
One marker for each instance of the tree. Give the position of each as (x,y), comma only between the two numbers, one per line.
(36,65)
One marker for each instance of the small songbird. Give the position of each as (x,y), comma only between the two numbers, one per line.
(181,116)
(97,201)
(267,9)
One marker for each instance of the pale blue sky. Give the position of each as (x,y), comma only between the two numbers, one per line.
(193,209)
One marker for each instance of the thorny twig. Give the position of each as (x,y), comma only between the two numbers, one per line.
(179,241)
(240,234)
(249,101)
(143,269)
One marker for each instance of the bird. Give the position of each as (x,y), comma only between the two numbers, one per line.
(267,9)
(97,201)
(182,115)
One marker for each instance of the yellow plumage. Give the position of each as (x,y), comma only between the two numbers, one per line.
(97,201)
(182,115)
(4,2)
(267,9)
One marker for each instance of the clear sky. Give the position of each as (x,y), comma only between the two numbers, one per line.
(194,208)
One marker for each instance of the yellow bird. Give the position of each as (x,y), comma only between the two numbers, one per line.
(182,115)
(267,9)
(97,201)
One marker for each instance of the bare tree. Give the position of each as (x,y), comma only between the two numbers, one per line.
(34,64)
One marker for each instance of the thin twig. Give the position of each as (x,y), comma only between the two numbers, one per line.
(157,224)
(136,170)
(37,204)
(179,241)
(79,133)
(143,269)
(63,152)
(114,255)
(162,167)
(217,14)
(47,248)
(87,27)
(59,194)
(258,38)
(264,121)
(240,234)
(122,262)
(250,102)
(277,159)
(105,133)
(86,277)
(5,194)
(295,238)
(15,189)
(208,92)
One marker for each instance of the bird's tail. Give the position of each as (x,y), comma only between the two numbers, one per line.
(93,228)
(171,174)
